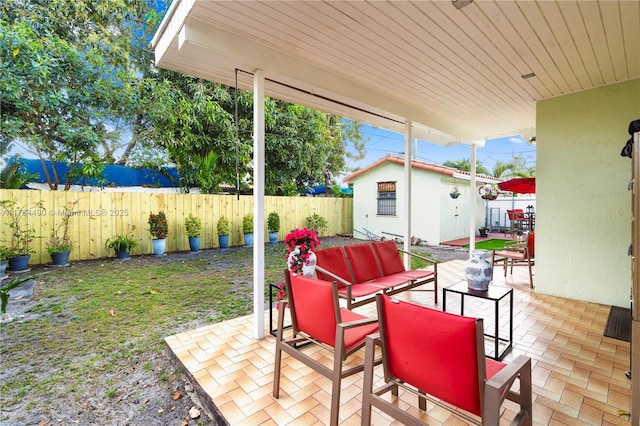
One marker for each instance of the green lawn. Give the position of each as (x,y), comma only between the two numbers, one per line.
(491,244)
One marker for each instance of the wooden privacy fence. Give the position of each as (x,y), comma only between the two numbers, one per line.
(98,216)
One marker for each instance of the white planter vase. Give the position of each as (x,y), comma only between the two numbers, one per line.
(478,271)
(159,245)
(308,268)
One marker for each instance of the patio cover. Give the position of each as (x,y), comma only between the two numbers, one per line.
(428,69)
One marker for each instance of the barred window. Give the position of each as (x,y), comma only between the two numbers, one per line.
(386,198)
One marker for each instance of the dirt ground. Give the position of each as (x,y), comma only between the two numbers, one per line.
(141,398)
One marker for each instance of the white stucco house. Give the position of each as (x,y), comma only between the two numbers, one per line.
(436,217)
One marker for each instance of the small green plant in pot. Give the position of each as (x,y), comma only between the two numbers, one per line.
(122,244)
(247,229)
(60,244)
(22,235)
(4,253)
(194,228)
(223,232)
(273,226)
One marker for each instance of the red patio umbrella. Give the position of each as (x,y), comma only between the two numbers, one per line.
(519,185)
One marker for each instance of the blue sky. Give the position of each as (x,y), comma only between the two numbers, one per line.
(382,142)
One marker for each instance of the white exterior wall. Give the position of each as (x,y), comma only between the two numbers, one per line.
(583,216)
(436,217)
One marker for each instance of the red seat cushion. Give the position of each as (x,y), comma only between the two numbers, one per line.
(362,289)
(355,336)
(516,255)
(416,274)
(492,367)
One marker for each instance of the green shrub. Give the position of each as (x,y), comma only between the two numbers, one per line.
(223,226)
(193,225)
(317,223)
(273,222)
(247,224)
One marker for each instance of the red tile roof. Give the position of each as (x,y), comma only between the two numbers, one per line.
(420,165)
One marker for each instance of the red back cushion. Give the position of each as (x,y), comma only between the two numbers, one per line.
(389,256)
(363,262)
(531,244)
(314,310)
(334,260)
(433,350)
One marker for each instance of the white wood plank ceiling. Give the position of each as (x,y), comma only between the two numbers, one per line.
(457,74)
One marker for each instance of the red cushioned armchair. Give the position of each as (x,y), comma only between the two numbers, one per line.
(443,363)
(318,319)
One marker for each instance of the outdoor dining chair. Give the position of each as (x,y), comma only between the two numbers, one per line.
(318,320)
(517,220)
(443,363)
(516,253)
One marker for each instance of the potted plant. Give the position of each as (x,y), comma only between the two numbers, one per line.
(158,228)
(122,244)
(4,261)
(247,229)
(194,228)
(273,226)
(60,244)
(455,193)
(223,232)
(300,244)
(22,234)
(488,192)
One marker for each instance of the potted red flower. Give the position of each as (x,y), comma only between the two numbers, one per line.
(300,244)
(159,228)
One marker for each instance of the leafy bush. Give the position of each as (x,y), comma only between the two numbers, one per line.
(223,226)
(317,223)
(273,222)
(121,242)
(60,240)
(193,225)
(158,225)
(247,224)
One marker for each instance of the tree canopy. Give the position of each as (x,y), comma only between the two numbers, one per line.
(78,85)
(517,167)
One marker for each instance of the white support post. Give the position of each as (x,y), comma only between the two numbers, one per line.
(407,191)
(258,204)
(472,200)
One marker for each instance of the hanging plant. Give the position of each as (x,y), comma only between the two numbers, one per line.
(454,193)
(488,192)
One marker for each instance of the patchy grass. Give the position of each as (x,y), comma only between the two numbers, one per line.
(96,321)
